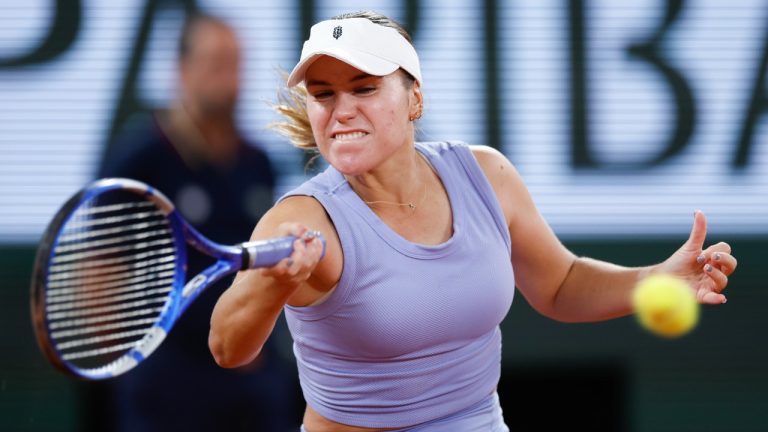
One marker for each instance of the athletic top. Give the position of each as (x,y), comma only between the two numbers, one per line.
(411,332)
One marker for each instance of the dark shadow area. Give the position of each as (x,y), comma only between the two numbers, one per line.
(555,397)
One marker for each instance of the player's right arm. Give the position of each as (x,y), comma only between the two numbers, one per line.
(246,312)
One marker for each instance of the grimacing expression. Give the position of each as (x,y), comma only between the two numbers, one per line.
(358,120)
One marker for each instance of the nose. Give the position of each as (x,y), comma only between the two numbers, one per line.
(345,107)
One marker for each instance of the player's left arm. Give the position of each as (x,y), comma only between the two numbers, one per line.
(557,283)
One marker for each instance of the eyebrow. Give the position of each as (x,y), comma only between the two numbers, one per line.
(359,77)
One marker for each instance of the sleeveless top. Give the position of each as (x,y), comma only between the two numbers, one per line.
(411,331)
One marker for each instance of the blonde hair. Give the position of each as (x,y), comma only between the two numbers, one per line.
(292,101)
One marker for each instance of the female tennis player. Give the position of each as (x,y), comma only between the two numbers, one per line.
(397,326)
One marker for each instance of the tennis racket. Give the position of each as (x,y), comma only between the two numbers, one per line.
(109,279)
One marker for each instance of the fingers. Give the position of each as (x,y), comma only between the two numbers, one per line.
(292,228)
(712,293)
(719,247)
(713,298)
(717,263)
(725,262)
(719,256)
(698,231)
(307,251)
(300,231)
(718,277)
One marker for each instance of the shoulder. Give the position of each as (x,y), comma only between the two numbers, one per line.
(298,208)
(508,185)
(442,147)
(494,164)
(307,211)
(496,167)
(301,205)
(323,183)
(486,154)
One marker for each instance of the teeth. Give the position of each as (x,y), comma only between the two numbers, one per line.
(350,136)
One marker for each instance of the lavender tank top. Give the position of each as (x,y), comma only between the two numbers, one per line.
(411,332)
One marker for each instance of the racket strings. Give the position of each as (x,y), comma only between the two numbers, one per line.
(61,278)
(120,207)
(110,220)
(113,271)
(86,286)
(102,311)
(114,290)
(109,231)
(88,323)
(101,328)
(100,352)
(130,247)
(111,240)
(61,271)
(84,305)
(108,336)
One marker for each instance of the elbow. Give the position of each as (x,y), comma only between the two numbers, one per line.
(551,312)
(553,307)
(556,309)
(218,351)
(562,311)
(558,305)
(225,356)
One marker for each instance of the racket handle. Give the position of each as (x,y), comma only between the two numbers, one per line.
(266,253)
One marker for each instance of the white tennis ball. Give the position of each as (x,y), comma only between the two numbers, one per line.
(665,305)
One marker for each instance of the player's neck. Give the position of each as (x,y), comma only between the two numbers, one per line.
(403,186)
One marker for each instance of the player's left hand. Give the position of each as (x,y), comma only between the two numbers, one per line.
(705,270)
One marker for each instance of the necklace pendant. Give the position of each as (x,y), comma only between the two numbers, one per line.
(412,206)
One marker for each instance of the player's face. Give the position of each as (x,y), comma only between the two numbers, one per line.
(358,120)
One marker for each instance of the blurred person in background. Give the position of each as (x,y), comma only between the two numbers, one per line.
(222,184)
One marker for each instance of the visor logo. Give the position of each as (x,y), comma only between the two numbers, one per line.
(337,32)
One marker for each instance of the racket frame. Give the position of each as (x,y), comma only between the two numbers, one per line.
(179,298)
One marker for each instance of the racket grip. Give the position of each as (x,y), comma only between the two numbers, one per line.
(266,253)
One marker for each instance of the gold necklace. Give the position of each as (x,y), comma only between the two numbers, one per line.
(410,205)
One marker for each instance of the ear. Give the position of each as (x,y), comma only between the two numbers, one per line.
(416,101)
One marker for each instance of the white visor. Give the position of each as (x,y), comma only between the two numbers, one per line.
(373,48)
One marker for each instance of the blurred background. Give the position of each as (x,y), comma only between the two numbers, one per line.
(622,117)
